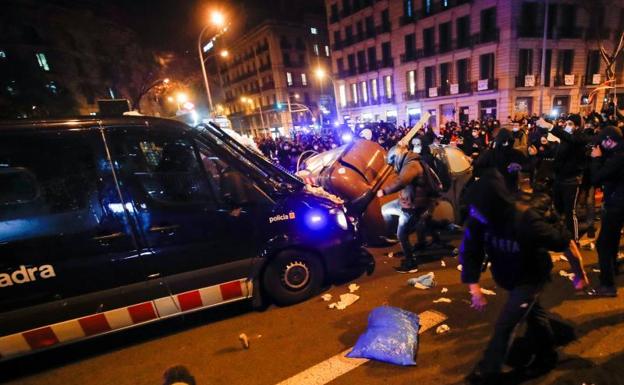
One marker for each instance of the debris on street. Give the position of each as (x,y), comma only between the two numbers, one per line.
(487,292)
(444,328)
(346,300)
(459,267)
(423,282)
(353,288)
(444,290)
(326,297)
(567,275)
(596,270)
(442,300)
(443,263)
(244,340)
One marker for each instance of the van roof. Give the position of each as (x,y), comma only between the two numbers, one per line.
(83,121)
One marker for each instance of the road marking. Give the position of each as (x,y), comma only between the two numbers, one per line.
(336,366)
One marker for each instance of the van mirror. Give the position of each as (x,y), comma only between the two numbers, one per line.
(17,186)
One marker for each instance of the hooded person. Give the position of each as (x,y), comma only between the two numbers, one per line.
(503,157)
(607,170)
(412,203)
(516,240)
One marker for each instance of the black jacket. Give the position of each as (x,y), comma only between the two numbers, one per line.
(410,182)
(570,159)
(517,248)
(608,171)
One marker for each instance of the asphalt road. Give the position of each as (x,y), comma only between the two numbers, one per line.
(286,341)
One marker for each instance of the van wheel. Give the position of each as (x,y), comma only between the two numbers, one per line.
(293,276)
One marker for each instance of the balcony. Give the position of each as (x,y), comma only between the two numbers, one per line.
(405,20)
(386,63)
(417,95)
(567,80)
(486,37)
(526,81)
(597,33)
(485,85)
(446,46)
(334,18)
(409,56)
(362,69)
(387,99)
(571,32)
(268,86)
(384,28)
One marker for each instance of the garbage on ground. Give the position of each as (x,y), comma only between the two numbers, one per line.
(487,292)
(423,282)
(443,263)
(567,275)
(555,257)
(442,300)
(391,255)
(326,297)
(444,328)
(596,270)
(353,288)
(244,340)
(459,267)
(345,301)
(444,290)
(392,337)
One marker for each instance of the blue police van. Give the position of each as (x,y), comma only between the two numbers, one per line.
(108,224)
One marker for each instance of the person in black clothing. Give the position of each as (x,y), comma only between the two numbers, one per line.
(473,143)
(516,240)
(503,157)
(608,171)
(412,203)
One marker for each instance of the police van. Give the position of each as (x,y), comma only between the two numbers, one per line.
(108,224)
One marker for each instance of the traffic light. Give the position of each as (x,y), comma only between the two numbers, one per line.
(279,106)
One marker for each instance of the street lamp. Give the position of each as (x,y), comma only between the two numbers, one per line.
(321,75)
(217,19)
(224,53)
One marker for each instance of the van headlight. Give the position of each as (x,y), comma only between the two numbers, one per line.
(341,218)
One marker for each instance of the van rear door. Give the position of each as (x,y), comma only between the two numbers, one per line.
(65,242)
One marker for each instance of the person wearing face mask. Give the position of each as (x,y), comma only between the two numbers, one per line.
(503,157)
(607,170)
(474,143)
(520,138)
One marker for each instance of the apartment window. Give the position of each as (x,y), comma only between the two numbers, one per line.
(370,26)
(427,7)
(410,45)
(334,12)
(374,89)
(349,33)
(565,62)
(525,62)
(388,86)
(361,59)
(386,55)
(488,25)
(304,80)
(372,58)
(593,66)
(486,66)
(286,58)
(463,32)
(43,61)
(327,50)
(567,26)
(408,8)
(529,25)
(552,19)
(316,49)
(340,65)
(313,31)
(429,77)
(342,94)
(445,37)
(445,74)
(364,89)
(289,78)
(360,30)
(429,41)
(385,20)
(546,67)
(354,93)
(337,37)
(351,64)
(411,82)
(462,71)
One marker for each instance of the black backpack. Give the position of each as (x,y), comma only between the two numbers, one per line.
(431,181)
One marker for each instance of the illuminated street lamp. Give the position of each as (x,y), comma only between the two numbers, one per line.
(224,53)
(217,19)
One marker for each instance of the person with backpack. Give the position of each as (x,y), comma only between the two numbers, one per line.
(515,239)
(417,186)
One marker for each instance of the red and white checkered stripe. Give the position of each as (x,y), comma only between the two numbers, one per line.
(75,329)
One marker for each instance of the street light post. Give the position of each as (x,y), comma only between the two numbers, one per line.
(322,74)
(217,19)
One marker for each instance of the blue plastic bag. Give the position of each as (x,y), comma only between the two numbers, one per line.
(392,337)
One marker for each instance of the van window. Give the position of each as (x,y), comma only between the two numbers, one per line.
(45,174)
(167,168)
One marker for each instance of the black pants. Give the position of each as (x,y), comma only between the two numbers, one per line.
(565,196)
(521,304)
(608,243)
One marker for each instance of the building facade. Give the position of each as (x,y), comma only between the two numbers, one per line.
(268,78)
(467,59)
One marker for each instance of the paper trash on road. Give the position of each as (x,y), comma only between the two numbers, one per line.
(444,290)
(444,328)
(443,300)
(423,282)
(567,275)
(596,270)
(345,301)
(443,263)
(326,297)
(353,288)
(244,340)
(459,267)
(488,292)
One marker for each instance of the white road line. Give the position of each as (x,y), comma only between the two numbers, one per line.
(336,366)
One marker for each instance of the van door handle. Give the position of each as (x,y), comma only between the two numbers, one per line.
(163,228)
(108,236)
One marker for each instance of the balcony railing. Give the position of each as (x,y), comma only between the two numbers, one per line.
(485,85)
(386,63)
(334,18)
(384,28)
(526,81)
(486,37)
(568,80)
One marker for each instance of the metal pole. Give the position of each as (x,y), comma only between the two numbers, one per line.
(256,63)
(203,67)
(543,72)
(290,119)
